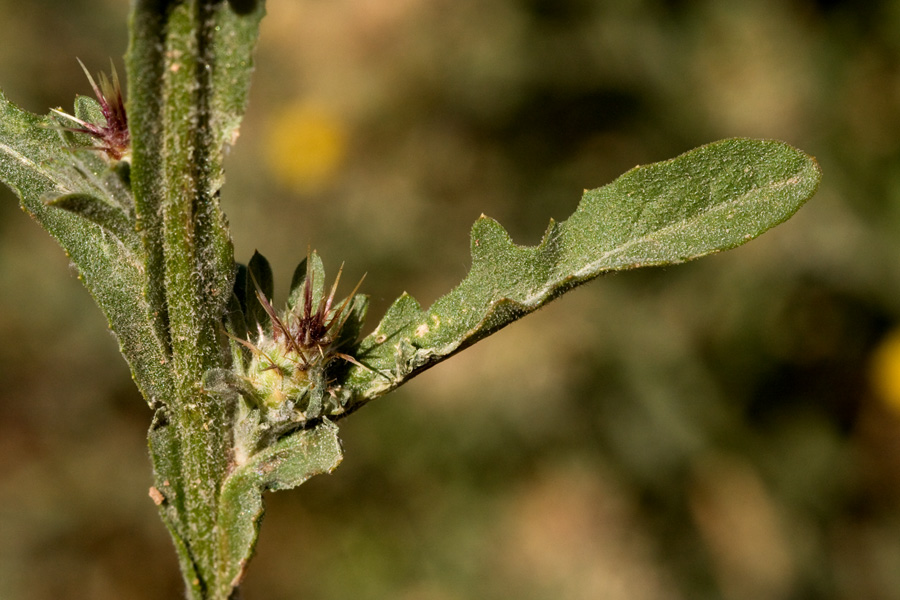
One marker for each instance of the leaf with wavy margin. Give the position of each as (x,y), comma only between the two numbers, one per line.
(710,199)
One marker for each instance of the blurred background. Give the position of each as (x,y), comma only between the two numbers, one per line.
(728,428)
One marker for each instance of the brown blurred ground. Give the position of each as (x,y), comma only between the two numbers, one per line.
(711,430)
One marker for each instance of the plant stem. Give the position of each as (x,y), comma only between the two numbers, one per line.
(189,259)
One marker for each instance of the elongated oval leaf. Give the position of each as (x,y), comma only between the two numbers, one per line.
(707,200)
(39,162)
(259,273)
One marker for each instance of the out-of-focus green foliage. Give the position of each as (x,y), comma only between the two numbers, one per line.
(701,432)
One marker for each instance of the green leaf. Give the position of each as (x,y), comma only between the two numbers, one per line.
(356,316)
(235,319)
(165,450)
(38,162)
(710,199)
(111,218)
(297,280)
(286,464)
(313,268)
(259,273)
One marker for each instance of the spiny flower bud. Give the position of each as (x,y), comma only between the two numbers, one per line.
(288,371)
(112,138)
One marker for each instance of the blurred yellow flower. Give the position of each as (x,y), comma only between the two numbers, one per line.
(885,370)
(305,144)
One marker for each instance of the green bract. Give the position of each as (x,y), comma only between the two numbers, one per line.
(288,365)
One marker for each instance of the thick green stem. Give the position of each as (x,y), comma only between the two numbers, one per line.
(176,174)
(189,207)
